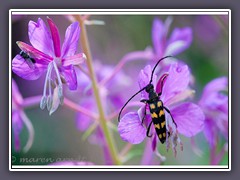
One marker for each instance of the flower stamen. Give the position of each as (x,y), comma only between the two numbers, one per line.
(60,87)
(43,102)
(50,97)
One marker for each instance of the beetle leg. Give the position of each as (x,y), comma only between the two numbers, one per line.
(145,112)
(170,115)
(144,101)
(149,130)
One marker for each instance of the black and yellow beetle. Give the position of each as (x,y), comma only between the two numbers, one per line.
(156,108)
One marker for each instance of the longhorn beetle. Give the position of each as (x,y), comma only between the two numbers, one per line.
(156,107)
(29,60)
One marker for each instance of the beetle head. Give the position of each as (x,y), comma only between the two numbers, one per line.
(149,88)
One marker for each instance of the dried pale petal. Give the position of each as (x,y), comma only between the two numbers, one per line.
(71,40)
(189,118)
(40,37)
(131,129)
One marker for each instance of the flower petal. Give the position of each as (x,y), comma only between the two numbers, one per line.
(131,129)
(83,121)
(216,109)
(71,40)
(216,85)
(40,37)
(154,142)
(180,97)
(74,60)
(55,37)
(69,74)
(210,132)
(158,37)
(16,95)
(189,118)
(176,82)
(216,102)
(144,78)
(21,67)
(38,56)
(147,117)
(180,40)
(161,82)
(215,105)
(17,126)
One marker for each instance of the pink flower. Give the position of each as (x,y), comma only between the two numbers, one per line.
(179,40)
(188,116)
(19,120)
(46,54)
(215,106)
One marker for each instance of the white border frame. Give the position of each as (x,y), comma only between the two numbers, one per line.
(116,12)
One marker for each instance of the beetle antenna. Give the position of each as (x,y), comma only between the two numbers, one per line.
(156,66)
(129,101)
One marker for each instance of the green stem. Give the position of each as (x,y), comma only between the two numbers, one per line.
(102,119)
